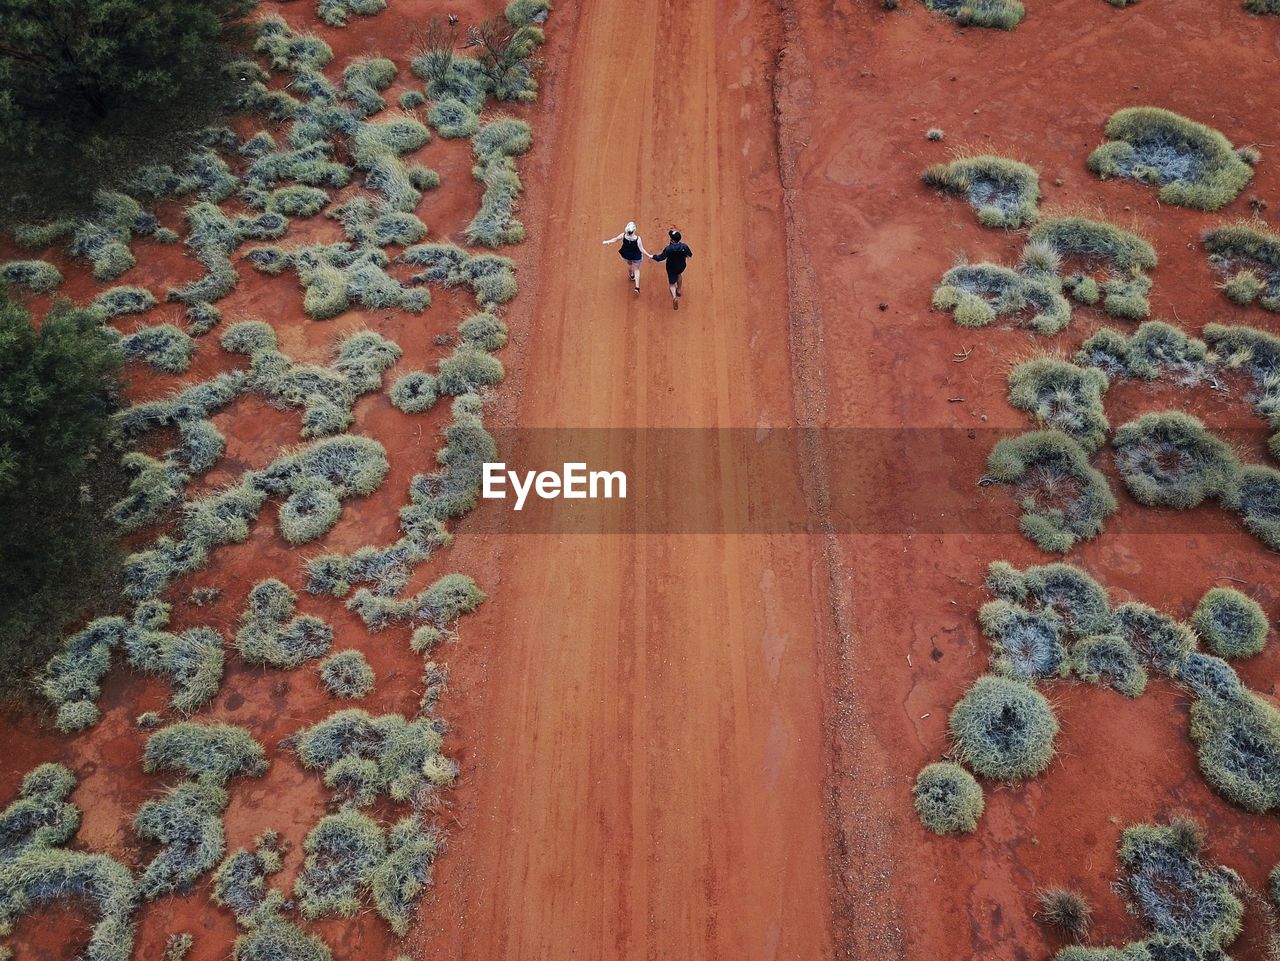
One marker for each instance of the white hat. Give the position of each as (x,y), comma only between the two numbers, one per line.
(631,227)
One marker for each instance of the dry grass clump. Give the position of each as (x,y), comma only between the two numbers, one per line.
(164,346)
(947,798)
(1158,638)
(1193,165)
(102,237)
(976,294)
(1237,736)
(241,885)
(1256,498)
(1247,254)
(336,12)
(36,868)
(446,493)
(351,466)
(1257,353)
(1004,729)
(1109,660)
(1232,624)
(496,145)
(1154,350)
(1062,396)
(187,820)
(1066,910)
(1004,192)
(325,394)
(1064,498)
(1000,14)
(337,277)
(364,756)
(491,277)
(446,600)
(191,660)
(347,674)
(1168,459)
(213,237)
(38,276)
(271,634)
(1089,245)
(1027,645)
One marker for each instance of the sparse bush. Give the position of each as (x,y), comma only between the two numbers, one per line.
(122,300)
(506,48)
(1193,165)
(948,800)
(490,277)
(1062,396)
(466,370)
(270,634)
(347,674)
(289,51)
(1168,459)
(522,13)
(1000,14)
(1004,192)
(1004,729)
(102,236)
(310,512)
(276,939)
(1064,498)
(1067,911)
(450,597)
(192,660)
(412,100)
(1247,254)
(1231,623)
(178,946)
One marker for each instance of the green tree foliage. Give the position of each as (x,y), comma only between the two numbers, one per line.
(90,89)
(58,387)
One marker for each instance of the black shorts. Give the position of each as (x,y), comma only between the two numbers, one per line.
(673,273)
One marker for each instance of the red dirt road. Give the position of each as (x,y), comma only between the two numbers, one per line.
(648,781)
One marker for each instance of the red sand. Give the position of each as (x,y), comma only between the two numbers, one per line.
(702,746)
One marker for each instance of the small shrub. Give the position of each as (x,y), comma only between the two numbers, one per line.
(948,800)
(466,370)
(1004,192)
(309,512)
(1154,350)
(347,674)
(122,300)
(336,12)
(450,597)
(1064,498)
(1194,165)
(1062,396)
(1168,459)
(1088,245)
(999,14)
(1256,497)
(1066,910)
(177,947)
(277,939)
(1004,729)
(1232,624)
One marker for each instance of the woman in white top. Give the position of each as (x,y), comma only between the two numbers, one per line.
(632,252)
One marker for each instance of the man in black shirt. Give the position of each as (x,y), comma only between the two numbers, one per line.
(675,254)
